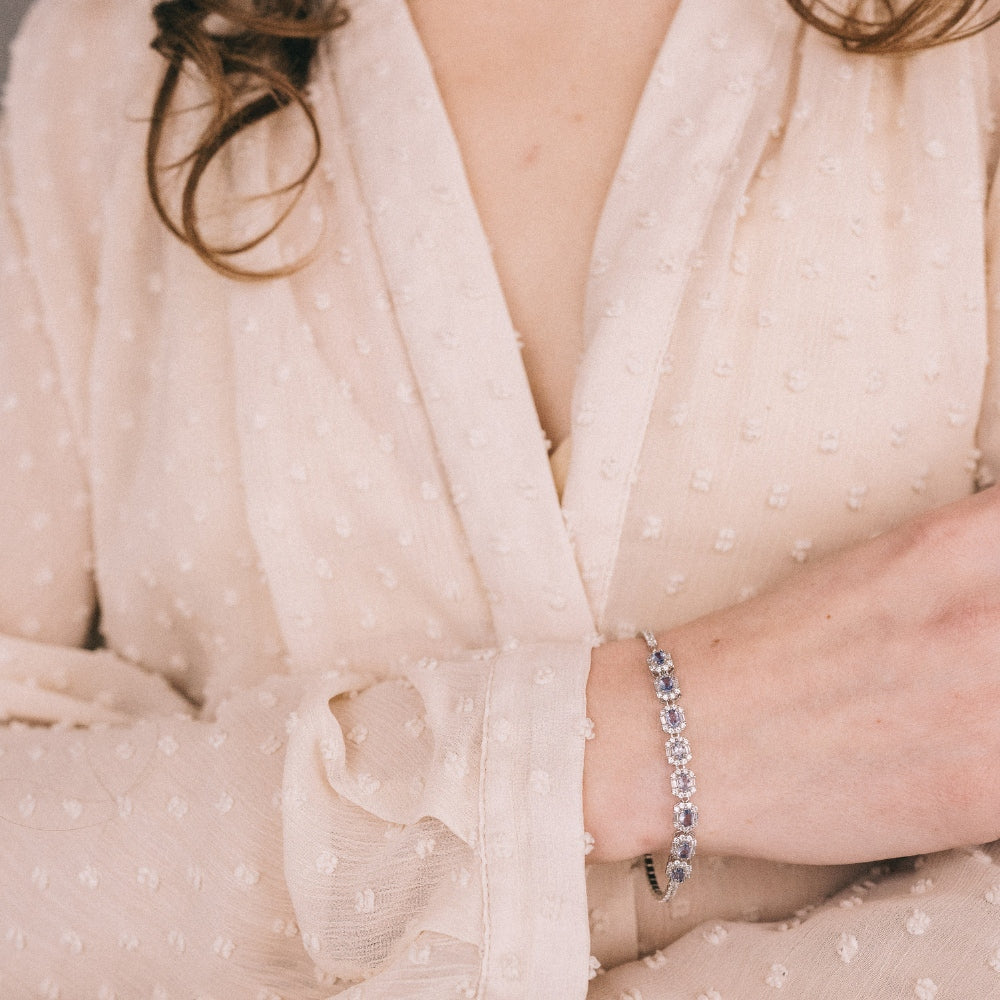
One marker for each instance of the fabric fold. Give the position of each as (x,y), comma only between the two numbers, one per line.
(320,509)
(372,863)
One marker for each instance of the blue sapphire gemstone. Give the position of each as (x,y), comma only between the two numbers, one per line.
(683,847)
(682,783)
(659,661)
(678,871)
(672,718)
(678,751)
(666,687)
(685,816)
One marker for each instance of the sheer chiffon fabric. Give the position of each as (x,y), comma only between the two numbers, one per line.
(334,743)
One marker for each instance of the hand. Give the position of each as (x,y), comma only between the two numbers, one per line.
(852,713)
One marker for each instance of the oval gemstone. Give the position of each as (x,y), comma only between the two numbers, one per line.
(672,718)
(659,662)
(678,871)
(683,847)
(666,687)
(682,783)
(678,750)
(685,816)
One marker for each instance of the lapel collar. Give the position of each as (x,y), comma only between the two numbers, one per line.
(682,144)
(450,310)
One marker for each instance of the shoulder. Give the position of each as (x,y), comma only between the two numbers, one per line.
(54,20)
(76,111)
(80,71)
(60,37)
(77,101)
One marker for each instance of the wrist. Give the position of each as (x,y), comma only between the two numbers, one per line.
(628,805)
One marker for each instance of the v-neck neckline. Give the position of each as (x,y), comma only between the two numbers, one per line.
(447,298)
(540,103)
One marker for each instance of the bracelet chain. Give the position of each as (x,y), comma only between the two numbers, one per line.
(682,782)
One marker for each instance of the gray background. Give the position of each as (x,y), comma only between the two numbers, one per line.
(10,15)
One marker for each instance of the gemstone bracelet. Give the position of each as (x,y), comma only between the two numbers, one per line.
(682,784)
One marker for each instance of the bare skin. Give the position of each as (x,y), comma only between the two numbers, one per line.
(850,714)
(846,716)
(540,97)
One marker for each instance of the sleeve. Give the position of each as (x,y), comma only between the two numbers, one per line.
(418,831)
(927,928)
(413,832)
(137,845)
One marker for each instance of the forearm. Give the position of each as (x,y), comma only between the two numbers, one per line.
(627,805)
(843,717)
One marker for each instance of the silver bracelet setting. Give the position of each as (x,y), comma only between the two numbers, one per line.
(682,782)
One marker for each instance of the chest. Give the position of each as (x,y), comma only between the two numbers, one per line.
(541,98)
(783,354)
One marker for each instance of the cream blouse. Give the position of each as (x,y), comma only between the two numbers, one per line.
(335,740)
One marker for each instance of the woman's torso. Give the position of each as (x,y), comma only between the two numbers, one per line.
(541,98)
(784,340)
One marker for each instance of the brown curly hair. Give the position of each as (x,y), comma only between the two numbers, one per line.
(254,56)
(253,61)
(883,28)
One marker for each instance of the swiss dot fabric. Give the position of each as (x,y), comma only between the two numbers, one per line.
(334,744)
